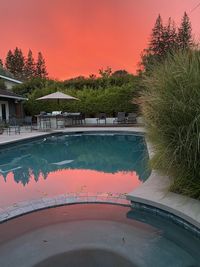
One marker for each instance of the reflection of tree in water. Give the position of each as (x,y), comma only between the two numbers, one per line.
(104,153)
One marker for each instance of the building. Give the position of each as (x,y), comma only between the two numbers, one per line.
(10,103)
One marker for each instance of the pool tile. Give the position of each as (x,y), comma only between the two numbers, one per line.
(15,212)
(91,194)
(83,194)
(49,202)
(103,195)
(101,199)
(3,216)
(82,199)
(123,201)
(92,199)
(60,200)
(111,200)
(71,200)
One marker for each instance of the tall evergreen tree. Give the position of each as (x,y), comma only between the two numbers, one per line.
(1,63)
(9,61)
(19,62)
(15,63)
(166,39)
(29,67)
(185,40)
(169,38)
(155,49)
(41,70)
(156,42)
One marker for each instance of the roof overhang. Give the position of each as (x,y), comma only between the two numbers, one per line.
(13,97)
(10,79)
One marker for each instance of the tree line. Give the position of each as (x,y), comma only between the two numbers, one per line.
(24,67)
(166,39)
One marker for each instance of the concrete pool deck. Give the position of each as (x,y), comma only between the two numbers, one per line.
(154,192)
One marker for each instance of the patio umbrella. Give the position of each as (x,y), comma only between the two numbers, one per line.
(57,96)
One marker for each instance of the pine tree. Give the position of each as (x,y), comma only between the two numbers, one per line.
(185,33)
(9,61)
(1,63)
(156,46)
(41,70)
(156,43)
(29,67)
(15,63)
(18,63)
(169,38)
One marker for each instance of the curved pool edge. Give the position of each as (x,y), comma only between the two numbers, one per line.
(155,193)
(6,140)
(26,207)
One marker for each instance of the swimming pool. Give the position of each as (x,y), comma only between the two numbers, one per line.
(80,162)
(95,235)
(89,234)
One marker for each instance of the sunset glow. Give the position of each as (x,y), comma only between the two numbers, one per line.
(66,181)
(77,37)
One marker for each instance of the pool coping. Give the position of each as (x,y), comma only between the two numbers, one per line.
(154,192)
(26,207)
(17,139)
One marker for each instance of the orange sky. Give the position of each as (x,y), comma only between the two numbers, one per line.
(77,37)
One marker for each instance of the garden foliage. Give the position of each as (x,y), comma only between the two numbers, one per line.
(109,95)
(171,106)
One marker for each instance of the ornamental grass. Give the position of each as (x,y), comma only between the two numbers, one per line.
(171,108)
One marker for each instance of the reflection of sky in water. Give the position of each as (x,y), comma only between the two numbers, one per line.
(72,163)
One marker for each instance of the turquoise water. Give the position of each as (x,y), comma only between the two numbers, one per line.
(72,163)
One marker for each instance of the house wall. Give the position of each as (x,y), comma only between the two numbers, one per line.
(14,109)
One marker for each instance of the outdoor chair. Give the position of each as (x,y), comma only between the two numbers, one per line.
(14,125)
(45,123)
(82,118)
(28,122)
(101,117)
(121,118)
(132,118)
(75,118)
(2,125)
(60,121)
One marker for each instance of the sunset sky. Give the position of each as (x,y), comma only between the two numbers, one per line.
(77,37)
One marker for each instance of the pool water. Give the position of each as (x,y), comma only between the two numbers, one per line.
(89,162)
(95,235)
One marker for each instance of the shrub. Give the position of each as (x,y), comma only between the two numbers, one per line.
(92,101)
(171,107)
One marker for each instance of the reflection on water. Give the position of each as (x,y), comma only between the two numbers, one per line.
(67,163)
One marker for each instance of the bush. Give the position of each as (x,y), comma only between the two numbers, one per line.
(171,107)
(92,101)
